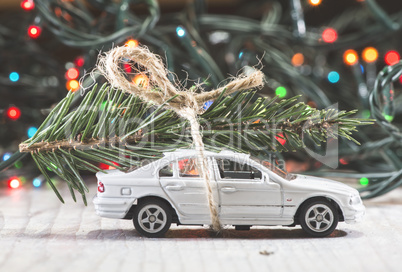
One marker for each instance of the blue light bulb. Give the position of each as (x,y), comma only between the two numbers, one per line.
(14,76)
(6,156)
(31,131)
(180,31)
(37,182)
(207,104)
(333,77)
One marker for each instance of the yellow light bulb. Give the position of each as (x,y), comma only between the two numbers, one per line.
(370,54)
(131,43)
(297,59)
(350,57)
(141,80)
(72,85)
(315,2)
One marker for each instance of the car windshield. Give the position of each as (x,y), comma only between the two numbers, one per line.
(272,167)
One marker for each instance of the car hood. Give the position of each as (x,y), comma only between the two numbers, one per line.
(316,183)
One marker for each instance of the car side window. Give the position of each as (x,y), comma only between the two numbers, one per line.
(187,168)
(166,171)
(229,169)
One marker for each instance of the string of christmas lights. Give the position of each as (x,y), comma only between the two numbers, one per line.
(337,59)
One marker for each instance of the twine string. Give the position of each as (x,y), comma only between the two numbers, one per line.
(186,104)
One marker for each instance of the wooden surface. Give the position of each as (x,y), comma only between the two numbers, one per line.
(38,233)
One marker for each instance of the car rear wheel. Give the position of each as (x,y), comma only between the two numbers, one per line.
(319,218)
(152,218)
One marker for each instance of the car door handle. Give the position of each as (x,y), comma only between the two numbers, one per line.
(174,187)
(228,189)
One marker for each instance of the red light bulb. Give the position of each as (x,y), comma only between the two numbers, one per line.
(13,113)
(27,5)
(127,67)
(14,183)
(392,57)
(79,61)
(72,73)
(105,166)
(34,31)
(280,140)
(343,161)
(329,35)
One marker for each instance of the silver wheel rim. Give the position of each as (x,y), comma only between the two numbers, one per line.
(319,218)
(152,218)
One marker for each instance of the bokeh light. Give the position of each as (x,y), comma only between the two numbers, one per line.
(333,77)
(72,85)
(343,161)
(180,31)
(18,164)
(141,80)
(207,104)
(350,57)
(79,61)
(281,140)
(388,117)
(6,156)
(27,5)
(72,73)
(314,2)
(31,131)
(329,35)
(370,54)
(392,57)
(364,181)
(14,183)
(280,91)
(131,43)
(37,182)
(34,31)
(13,113)
(298,59)
(14,76)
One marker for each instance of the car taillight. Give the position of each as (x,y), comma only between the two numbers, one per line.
(101,187)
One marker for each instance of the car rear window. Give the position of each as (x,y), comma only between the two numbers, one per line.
(187,168)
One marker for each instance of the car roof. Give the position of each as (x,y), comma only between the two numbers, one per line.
(178,153)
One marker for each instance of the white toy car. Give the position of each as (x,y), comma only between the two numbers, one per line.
(247,192)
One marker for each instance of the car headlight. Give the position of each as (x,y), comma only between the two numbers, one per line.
(354,200)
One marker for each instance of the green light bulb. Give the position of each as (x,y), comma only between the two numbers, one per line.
(389,118)
(280,91)
(364,181)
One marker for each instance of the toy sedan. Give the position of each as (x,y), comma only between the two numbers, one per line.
(248,192)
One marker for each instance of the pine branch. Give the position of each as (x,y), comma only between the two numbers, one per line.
(112,127)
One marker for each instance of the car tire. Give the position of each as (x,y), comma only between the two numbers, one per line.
(152,218)
(318,218)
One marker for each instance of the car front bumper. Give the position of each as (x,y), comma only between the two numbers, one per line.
(112,207)
(354,213)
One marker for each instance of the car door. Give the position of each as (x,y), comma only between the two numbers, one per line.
(245,191)
(187,189)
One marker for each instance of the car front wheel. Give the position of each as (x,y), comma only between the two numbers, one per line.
(319,218)
(152,218)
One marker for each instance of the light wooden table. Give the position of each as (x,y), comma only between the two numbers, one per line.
(38,233)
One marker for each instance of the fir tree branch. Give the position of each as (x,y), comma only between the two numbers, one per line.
(112,127)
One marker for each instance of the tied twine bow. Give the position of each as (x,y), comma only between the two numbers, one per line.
(161,91)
